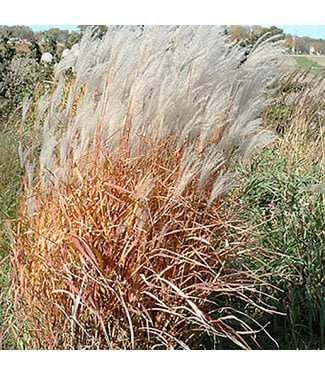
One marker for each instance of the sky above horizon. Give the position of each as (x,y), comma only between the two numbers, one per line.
(313,31)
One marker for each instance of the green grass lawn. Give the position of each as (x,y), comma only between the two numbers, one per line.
(313,66)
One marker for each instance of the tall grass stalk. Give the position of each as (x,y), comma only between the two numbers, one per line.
(123,240)
(283,189)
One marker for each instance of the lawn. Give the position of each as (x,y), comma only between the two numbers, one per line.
(313,66)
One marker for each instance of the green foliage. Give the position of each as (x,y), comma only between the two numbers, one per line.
(56,34)
(72,39)
(248,36)
(6,56)
(253,37)
(20,74)
(51,46)
(99,29)
(17,32)
(291,223)
(10,173)
(35,50)
(11,176)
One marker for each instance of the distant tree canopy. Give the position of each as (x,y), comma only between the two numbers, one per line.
(245,35)
(304,44)
(57,35)
(20,32)
(51,45)
(101,29)
(35,50)
(248,35)
(6,56)
(74,37)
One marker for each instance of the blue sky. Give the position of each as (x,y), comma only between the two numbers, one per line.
(46,27)
(313,31)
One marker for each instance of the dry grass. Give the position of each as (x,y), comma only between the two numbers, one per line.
(124,241)
(298,116)
(118,260)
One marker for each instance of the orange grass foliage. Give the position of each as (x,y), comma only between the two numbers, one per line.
(116,260)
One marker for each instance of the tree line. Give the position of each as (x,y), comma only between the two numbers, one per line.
(63,36)
(246,35)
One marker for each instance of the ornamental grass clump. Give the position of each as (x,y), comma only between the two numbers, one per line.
(124,241)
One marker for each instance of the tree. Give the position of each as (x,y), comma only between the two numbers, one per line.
(59,35)
(100,29)
(257,30)
(8,51)
(301,45)
(6,56)
(19,32)
(35,50)
(275,31)
(51,45)
(73,38)
(248,35)
(237,32)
